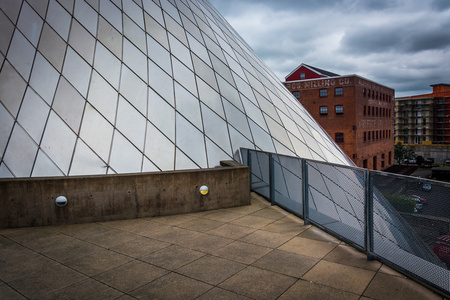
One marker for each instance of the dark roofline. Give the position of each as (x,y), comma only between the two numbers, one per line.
(324,72)
(437,84)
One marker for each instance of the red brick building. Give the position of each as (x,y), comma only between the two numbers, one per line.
(356,112)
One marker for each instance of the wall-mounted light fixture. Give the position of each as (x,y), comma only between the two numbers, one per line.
(204,190)
(61,201)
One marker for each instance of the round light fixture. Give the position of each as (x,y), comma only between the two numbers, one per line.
(204,190)
(61,201)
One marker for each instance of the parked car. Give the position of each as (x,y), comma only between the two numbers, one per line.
(442,248)
(421,199)
(426,187)
(419,203)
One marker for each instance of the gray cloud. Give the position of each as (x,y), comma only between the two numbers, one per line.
(403,44)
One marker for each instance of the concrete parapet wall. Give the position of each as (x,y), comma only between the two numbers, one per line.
(31,201)
(440,153)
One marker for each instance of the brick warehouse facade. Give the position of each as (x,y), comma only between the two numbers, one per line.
(356,112)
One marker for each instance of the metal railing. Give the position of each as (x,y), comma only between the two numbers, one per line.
(402,221)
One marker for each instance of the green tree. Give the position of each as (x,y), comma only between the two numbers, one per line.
(399,152)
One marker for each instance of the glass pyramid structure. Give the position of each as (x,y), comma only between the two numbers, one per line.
(127,86)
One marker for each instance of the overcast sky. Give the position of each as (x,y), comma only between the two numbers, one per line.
(403,44)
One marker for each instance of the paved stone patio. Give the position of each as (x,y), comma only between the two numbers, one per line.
(251,252)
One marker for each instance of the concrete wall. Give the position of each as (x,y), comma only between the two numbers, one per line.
(31,201)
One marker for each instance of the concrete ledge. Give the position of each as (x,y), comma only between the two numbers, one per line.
(31,201)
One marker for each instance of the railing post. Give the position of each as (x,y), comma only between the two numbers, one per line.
(249,163)
(368,212)
(271,179)
(305,192)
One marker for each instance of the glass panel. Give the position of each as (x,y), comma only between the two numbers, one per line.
(77,71)
(103,97)
(135,59)
(30,24)
(191,141)
(135,34)
(237,68)
(171,10)
(85,162)
(254,113)
(4,172)
(192,29)
(6,125)
(148,166)
(237,119)
(134,90)
(110,37)
(52,47)
(67,4)
(112,14)
(300,147)
(131,123)
(216,129)
(125,158)
(204,72)
(107,65)
(58,142)
(267,107)
(180,51)
(188,106)
(59,19)
(161,82)
(222,69)
(215,154)
(11,8)
(214,48)
(238,141)
(86,16)
(134,12)
(69,104)
(182,162)
(20,154)
(6,33)
(154,13)
(210,97)
(198,49)
(230,93)
(159,148)
(156,31)
(40,6)
(161,114)
(44,167)
(261,138)
(44,78)
(99,139)
(21,54)
(12,88)
(244,89)
(159,55)
(33,115)
(82,41)
(184,76)
(176,30)
(279,133)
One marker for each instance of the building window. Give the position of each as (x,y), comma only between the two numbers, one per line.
(339,91)
(302,76)
(365,136)
(364,111)
(296,94)
(339,109)
(323,110)
(339,137)
(323,93)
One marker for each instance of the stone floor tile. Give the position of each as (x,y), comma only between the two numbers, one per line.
(172,286)
(266,238)
(200,224)
(286,263)
(242,252)
(312,291)
(7,293)
(271,213)
(231,231)
(389,271)
(252,221)
(172,257)
(211,269)
(221,294)
(315,233)
(111,238)
(86,289)
(139,247)
(41,284)
(81,231)
(173,235)
(70,251)
(131,276)
(258,284)
(385,286)
(97,262)
(28,233)
(313,248)
(174,219)
(347,255)
(46,242)
(206,243)
(286,227)
(347,278)
(223,215)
